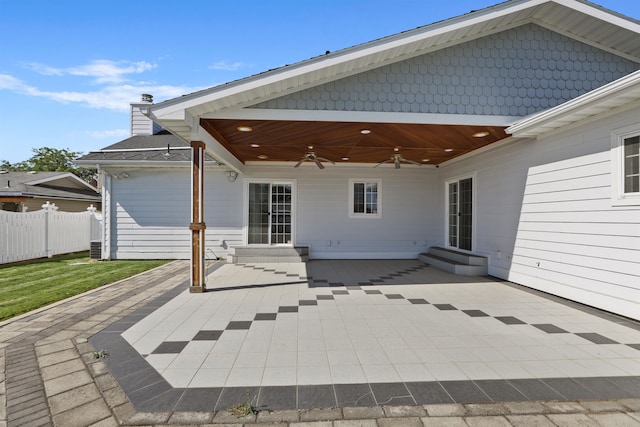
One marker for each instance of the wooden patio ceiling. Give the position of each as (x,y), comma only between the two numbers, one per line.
(345,142)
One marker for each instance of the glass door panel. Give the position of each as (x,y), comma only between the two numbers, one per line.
(460,215)
(270,213)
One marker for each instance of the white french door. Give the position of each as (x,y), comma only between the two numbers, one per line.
(460,213)
(270,210)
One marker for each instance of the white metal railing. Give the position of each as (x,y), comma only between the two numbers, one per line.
(45,233)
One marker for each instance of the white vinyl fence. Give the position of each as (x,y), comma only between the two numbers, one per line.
(45,233)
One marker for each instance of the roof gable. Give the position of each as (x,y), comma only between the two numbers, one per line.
(579,19)
(516,72)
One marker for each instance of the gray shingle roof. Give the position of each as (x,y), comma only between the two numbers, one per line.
(143,148)
(29,184)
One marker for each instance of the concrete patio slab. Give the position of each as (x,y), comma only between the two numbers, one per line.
(338,342)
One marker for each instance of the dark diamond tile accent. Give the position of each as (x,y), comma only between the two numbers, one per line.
(395,275)
(636,346)
(394,296)
(365,283)
(500,390)
(316,396)
(373,292)
(596,338)
(340,292)
(510,320)
(392,394)
(269,270)
(550,329)
(280,272)
(170,347)
(325,297)
(207,335)
(568,388)
(288,309)
(336,284)
(292,275)
(475,313)
(258,268)
(418,301)
(444,307)
(274,398)
(236,325)
(265,316)
(465,392)
(307,302)
(198,400)
(354,395)
(535,389)
(354,288)
(425,393)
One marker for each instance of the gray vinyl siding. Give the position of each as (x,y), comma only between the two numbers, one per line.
(152,210)
(512,73)
(546,206)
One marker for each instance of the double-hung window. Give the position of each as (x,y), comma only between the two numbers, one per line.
(365,198)
(626,166)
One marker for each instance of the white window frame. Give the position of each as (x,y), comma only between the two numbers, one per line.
(378,182)
(618,195)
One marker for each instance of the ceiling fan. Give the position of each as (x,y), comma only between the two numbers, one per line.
(311,156)
(396,159)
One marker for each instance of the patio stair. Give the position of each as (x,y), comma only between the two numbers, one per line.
(261,254)
(455,262)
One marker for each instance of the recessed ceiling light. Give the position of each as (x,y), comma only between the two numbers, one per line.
(263,157)
(448,150)
(425,160)
(255,145)
(480,134)
(365,131)
(244,128)
(345,158)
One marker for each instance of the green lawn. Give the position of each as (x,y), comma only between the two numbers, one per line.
(29,285)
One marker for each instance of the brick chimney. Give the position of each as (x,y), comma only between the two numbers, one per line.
(141,124)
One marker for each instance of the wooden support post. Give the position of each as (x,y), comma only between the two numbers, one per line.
(197,225)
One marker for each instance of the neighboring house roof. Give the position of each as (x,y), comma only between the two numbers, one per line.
(193,116)
(162,148)
(604,99)
(54,185)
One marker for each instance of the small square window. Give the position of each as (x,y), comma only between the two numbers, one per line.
(364,198)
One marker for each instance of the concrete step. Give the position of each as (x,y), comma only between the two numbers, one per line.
(261,254)
(455,262)
(457,256)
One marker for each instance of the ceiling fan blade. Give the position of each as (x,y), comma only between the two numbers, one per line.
(319,163)
(411,161)
(325,160)
(299,163)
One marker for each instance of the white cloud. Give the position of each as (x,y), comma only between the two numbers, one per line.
(113,133)
(102,70)
(227,66)
(114,93)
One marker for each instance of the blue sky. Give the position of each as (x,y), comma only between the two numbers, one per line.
(69,69)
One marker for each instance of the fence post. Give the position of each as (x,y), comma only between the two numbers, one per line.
(48,208)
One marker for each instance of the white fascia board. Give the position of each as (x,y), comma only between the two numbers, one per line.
(288,76)
(613,95)
(363,116)
(604,15)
